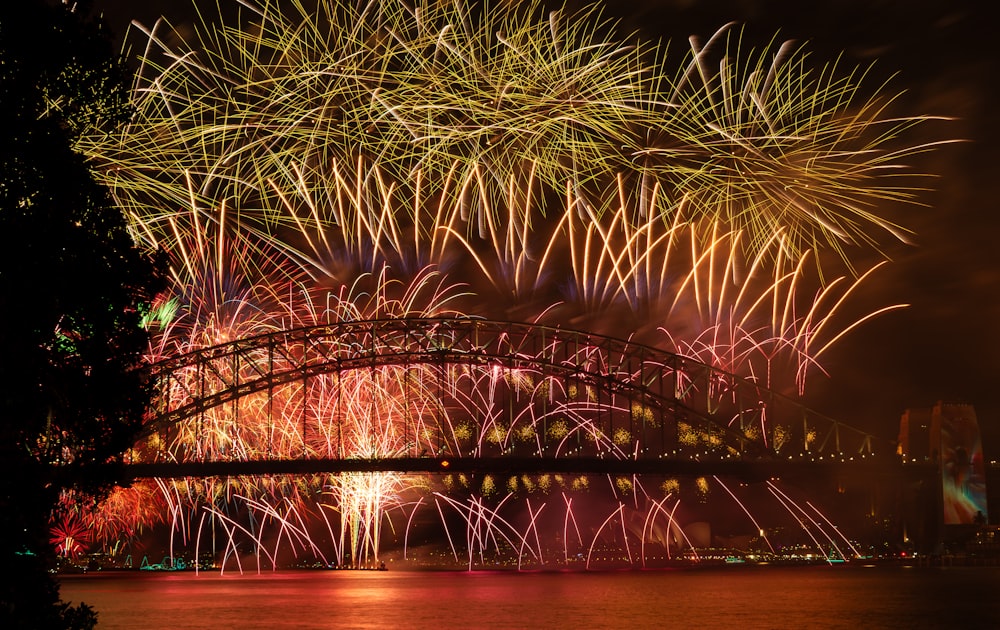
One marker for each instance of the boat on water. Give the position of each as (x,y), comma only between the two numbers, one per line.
(168,564)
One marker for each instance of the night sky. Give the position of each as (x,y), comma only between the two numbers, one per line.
(946,346)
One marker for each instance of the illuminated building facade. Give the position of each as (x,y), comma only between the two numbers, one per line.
(947,437)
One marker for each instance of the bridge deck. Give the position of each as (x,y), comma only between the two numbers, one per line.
(746,469)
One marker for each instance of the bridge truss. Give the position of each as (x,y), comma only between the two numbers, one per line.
(470,390)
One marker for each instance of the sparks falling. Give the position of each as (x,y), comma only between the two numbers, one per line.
(331,164)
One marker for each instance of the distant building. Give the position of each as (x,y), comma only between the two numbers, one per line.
(915,435)
(948,435)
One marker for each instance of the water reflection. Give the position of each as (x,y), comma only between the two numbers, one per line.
(753,597)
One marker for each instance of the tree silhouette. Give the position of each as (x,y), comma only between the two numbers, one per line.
(72,290)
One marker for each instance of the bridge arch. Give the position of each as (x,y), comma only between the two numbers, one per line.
(463,387)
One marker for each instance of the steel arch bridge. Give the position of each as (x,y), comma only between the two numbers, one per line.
(406,391)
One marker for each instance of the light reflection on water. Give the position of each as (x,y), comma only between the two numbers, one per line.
(746,597)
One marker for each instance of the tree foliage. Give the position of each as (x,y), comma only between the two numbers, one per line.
(72,287)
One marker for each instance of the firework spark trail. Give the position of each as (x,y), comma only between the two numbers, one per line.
(69,535)
(764,143)
(306,167)
(804,520)
(854,549)
(610,262)
(745,511)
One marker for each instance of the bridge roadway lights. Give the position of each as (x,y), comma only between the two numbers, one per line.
(751,470)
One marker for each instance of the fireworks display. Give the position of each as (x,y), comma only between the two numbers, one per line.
(305,166)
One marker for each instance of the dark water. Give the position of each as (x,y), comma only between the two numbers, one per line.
(727,597)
